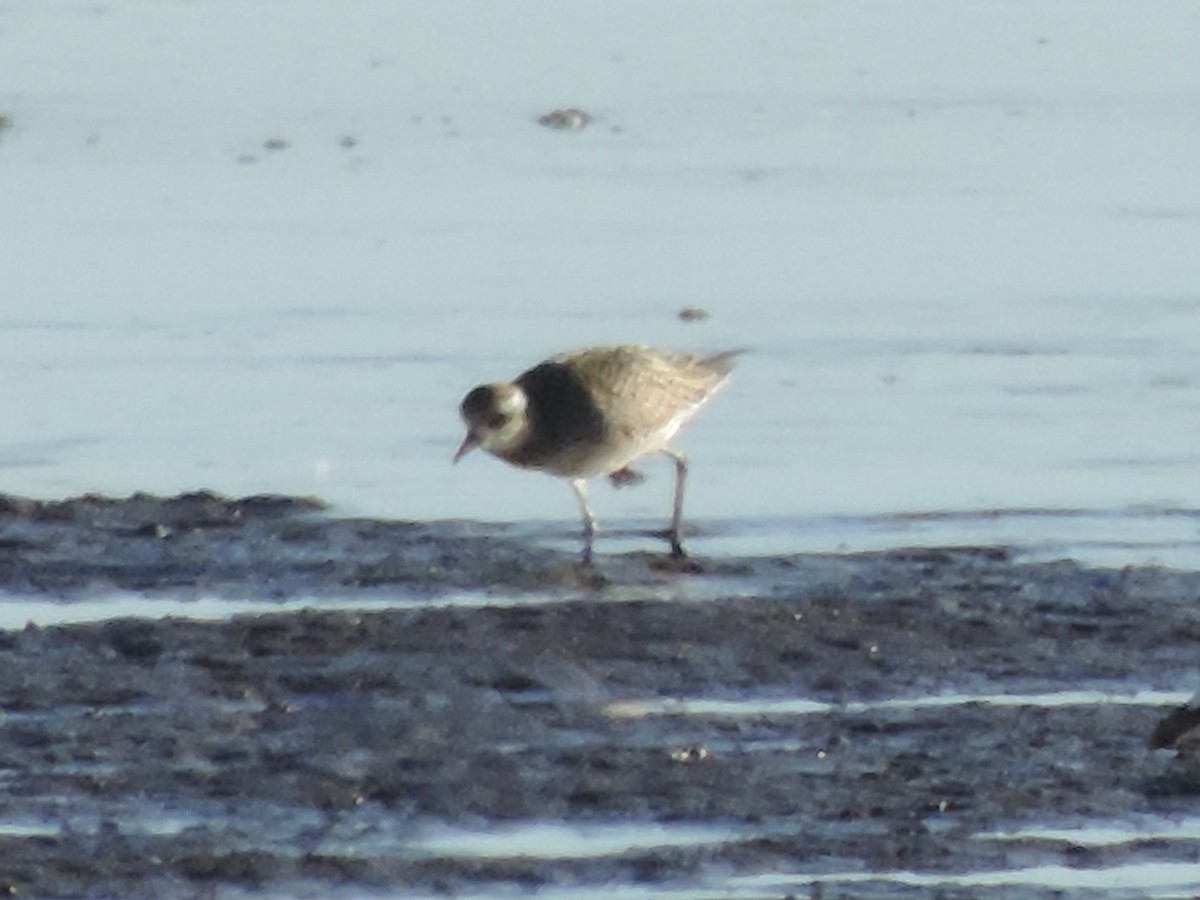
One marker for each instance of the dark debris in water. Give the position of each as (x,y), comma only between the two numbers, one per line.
(569,118)
(1179,730)
(309,752)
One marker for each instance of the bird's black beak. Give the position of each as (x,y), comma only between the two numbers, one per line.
(470,442)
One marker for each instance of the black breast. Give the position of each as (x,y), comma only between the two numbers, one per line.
(563,417)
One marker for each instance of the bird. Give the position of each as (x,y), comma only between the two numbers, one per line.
(592,412)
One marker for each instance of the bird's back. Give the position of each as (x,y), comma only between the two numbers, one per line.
(642,389)
(629,400)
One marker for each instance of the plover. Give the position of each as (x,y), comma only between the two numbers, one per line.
(593,412)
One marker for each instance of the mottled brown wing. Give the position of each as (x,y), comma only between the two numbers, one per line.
(643,390)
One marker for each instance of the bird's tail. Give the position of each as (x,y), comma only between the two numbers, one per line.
(722,363)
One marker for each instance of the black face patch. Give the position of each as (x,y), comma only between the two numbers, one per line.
(482,407)
(479,404)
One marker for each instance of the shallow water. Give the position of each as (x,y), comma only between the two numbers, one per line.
(785,706)
(968,290)
(1102,473)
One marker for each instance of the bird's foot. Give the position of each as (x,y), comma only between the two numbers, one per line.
(625,477)
(678,559)
(588,576)
(672,537)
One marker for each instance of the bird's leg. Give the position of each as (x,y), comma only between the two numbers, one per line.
(579,486)
(675,533)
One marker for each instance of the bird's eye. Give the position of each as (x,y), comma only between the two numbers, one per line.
(496,419)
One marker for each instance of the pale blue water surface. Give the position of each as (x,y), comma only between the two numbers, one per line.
(964,262)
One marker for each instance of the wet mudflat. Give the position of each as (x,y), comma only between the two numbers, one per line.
(464,711)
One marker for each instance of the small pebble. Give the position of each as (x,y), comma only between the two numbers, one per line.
(570,118)
(690,754)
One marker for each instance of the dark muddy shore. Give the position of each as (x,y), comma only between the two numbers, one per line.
(314,753)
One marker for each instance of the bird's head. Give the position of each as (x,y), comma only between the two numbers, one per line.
(495,416)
